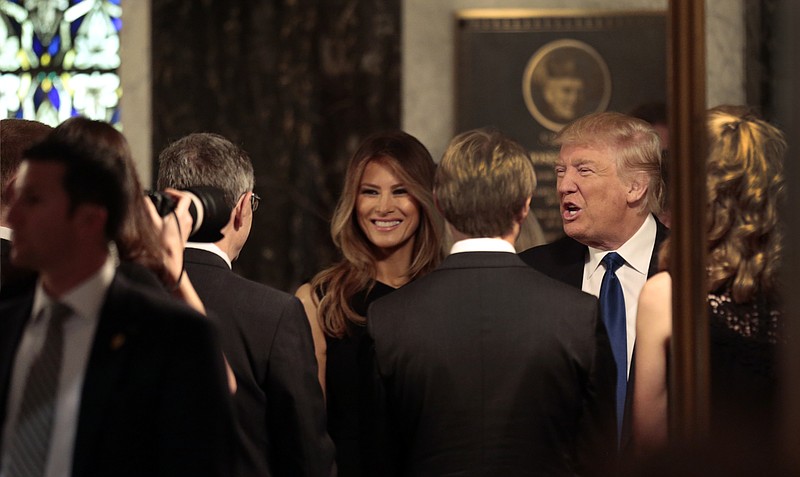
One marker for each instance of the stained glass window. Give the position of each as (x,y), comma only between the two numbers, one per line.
(59,58)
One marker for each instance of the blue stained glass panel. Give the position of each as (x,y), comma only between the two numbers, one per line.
(60,58)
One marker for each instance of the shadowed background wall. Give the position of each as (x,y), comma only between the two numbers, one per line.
(299,83)
(296,83)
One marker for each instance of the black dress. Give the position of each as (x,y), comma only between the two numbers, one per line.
(744,372)
(343,371)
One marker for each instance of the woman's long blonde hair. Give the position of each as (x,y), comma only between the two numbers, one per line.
(334,287)
(745,187)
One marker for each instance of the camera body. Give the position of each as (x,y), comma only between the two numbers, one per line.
(208,210)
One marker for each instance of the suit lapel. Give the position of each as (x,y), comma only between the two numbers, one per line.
(573,257)
(573,273)
(14,317)
(662,232)
(106,361)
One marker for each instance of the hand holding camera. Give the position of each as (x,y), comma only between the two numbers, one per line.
(171,218)
(207,209)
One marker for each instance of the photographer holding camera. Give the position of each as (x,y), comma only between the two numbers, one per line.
(265,334)
(103,373)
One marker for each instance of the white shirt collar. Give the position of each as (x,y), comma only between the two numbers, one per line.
(483,244)
(5,233)
(636,252)
(211,247)
(86,299)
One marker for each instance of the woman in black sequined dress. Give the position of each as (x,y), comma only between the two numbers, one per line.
(389,232)
(745,185)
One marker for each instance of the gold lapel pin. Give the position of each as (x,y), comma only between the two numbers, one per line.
(117,341)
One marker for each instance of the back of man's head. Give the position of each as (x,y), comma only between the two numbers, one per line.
(483,183)
(206,159)
(16,135)
(634,143)
(95,158)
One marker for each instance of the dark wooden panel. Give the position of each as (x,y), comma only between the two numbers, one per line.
(298,84)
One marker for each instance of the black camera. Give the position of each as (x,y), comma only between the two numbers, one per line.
(208,210)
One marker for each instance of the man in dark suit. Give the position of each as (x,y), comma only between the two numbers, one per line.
(609,183)
(265,334)
(99,377)
(486,366)
(16,135)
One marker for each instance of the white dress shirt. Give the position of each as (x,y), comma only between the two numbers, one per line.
(211,247)
(636,252)
(85,301)
(5,233)
(483,244)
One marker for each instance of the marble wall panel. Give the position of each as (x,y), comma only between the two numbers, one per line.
(298,84)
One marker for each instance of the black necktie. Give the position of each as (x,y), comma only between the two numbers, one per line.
(30,441)
(612,307)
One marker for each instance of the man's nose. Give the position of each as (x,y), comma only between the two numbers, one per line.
(565,183)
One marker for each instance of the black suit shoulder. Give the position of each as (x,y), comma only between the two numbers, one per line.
(510,274)
(489,309)
(564,258)
(250,314)
(267,340)
(555,254)
(149,305)
(154,399)
(13,280)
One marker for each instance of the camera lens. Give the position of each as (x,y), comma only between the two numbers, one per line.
(207,208)
(209,213)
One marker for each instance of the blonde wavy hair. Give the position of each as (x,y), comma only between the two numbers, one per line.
(334,287)
(745,187)
(483,182)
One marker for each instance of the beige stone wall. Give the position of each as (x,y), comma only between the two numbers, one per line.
(135,105)
(429,68)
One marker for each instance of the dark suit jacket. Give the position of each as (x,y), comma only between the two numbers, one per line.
(267,341)
(564,260)
(154,399)
(487,367)
(13,280)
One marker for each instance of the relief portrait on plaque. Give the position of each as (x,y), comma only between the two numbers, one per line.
(530,72)
(564,80)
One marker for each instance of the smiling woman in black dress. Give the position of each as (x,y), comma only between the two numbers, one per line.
(389,233)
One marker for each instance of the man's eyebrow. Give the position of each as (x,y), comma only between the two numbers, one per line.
(577,162)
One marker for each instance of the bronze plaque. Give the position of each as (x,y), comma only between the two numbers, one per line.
(530,72)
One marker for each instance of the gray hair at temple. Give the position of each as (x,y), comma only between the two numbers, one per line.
(206,159)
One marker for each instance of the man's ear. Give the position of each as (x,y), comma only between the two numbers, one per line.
(436,203)
(524,211)
(238,212)
(637,188)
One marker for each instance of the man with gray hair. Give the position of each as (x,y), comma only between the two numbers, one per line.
(265,334)
(609,183)
(486,366)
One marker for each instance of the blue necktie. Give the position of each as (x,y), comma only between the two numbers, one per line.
(612,307)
